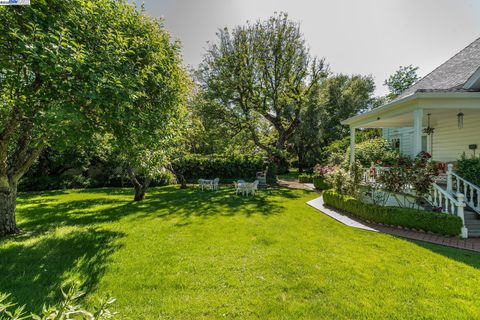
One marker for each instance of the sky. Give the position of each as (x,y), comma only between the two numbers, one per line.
(368,37)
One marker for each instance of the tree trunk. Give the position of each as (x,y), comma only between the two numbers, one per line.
(141,189)
(8,204)
(139,193)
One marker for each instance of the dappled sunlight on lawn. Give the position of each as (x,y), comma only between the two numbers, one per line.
(212,254)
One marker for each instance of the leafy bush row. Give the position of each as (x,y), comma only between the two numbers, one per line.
(45,183)
(405,217)
(194,167)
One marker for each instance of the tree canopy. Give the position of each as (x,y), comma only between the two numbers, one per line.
(259,77)
(73,69)
(401,80)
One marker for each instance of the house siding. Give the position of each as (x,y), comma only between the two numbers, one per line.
(450,142)
(406,139)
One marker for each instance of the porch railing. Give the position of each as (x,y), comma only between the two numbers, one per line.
(449,204)
(457,184)
(449,201)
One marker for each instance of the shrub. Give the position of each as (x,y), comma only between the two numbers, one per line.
(45,183)
(320,183)
(376,151)
(194,167)
(469,169)
(272,173)
(305,178)
(410,218)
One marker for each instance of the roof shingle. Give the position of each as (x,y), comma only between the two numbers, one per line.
(451,75)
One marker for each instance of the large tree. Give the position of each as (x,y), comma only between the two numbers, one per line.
(335,99)
(260,77)
(71,69)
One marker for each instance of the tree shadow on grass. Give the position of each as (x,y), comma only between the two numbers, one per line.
(39,215)
(33,270)
(467,257)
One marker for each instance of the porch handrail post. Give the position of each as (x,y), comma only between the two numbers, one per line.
(417,131)
(450,178)
(461,213)
(352,145)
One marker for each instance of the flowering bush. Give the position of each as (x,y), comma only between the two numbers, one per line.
(408,175)
(322,171)
(346,182)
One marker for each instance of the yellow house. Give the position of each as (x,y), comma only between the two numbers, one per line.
(439,114)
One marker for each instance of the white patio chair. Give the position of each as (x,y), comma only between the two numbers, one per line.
(252,188)
(201,183)
(215,183)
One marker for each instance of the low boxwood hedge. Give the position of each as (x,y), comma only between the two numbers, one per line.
(409,218)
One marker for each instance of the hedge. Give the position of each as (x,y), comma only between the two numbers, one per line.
(305,178)
(320,184)
(194,167)
(410,218)
(46,183)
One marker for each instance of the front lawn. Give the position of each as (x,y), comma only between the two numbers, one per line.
(187,254)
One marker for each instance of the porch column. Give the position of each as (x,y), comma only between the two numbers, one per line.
(417,131)
(352,144)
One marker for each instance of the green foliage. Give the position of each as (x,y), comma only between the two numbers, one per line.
(373,151)
(469,169)
(401,80)
(305,178)
(68,309)
(335,99)
(194,166)
(320,183)
(407,173)
(405,217)
(336,152)
(346,181)
(43,183)
(258,78)
(67,181)
(272,172)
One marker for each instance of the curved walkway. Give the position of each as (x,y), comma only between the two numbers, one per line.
(472,244)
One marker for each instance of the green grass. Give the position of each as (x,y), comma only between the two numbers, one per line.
(187,254)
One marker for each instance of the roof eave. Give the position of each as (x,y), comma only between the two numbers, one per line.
(380,110)
(417,95)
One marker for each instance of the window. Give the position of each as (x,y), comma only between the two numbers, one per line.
(395,143)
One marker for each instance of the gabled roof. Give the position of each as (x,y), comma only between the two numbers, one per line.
(451,75)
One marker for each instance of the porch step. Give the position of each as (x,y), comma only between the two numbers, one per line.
(472,222)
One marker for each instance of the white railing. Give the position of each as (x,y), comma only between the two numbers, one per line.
(449,201)
(449,204)
(370,177)
(456,184)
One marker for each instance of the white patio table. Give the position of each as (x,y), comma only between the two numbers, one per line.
(204,183)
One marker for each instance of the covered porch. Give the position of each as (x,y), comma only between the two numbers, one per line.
(444,124)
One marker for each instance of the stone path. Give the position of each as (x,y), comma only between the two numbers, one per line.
(294,184)
(472,244)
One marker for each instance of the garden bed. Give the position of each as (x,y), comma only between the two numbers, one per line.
(435,222)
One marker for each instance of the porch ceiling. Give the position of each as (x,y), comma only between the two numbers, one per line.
(405,120)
